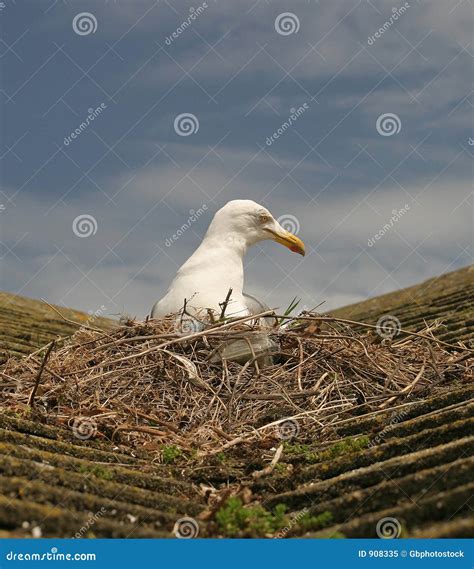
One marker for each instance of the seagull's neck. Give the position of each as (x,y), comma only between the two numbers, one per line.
(220,255)
(230,242)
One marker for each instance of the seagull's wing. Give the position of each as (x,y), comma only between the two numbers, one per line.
(256,306)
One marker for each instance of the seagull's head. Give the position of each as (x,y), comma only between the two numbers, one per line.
(248,222)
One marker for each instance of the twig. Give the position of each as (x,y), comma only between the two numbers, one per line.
(31,399)
(406,389)
(53,373)
(166,424)
(71,321)
(269,469)
(224,304)
(300,366)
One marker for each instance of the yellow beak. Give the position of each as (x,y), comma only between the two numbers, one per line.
(289,240)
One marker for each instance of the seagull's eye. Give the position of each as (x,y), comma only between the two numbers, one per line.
(263,217)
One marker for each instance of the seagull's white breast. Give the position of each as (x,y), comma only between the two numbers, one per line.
(204,281)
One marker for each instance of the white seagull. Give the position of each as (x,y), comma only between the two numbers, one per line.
(216,266)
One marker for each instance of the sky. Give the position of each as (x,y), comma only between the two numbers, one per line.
(119,118)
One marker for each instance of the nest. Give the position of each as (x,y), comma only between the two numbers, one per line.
(147,384)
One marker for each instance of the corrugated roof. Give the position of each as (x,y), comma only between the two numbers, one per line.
(449,298)
(27,324)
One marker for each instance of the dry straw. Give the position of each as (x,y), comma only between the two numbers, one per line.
(145,383)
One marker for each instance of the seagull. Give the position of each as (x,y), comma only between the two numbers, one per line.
(203,282)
